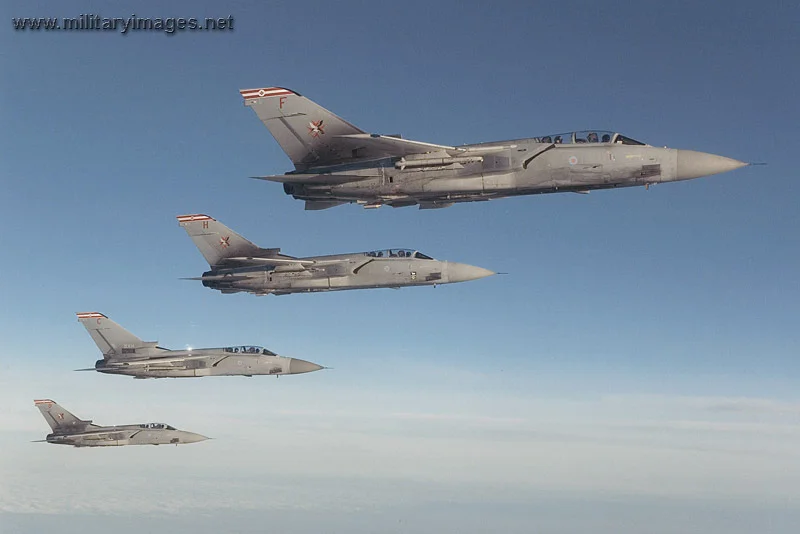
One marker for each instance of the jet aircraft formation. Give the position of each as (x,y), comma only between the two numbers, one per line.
(337,163)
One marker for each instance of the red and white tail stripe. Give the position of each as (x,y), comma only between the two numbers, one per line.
(43,401)
(196,217)
(91,315)
(249,94)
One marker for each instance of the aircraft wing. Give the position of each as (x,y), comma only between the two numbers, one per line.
(157,361)
(269,261)
(277,263)
(107,434)
(375,145)
(227,277)
(313,179)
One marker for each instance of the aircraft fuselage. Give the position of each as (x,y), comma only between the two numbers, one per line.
(205,362)
(342,272)
(117,436)
(529,168)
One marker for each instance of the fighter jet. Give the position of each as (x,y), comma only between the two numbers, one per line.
(337,163)
(69,430)
(239,265)
(126,354)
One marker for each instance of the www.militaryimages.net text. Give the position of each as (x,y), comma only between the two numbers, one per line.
(88,22)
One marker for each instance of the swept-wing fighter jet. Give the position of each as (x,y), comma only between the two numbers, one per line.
(239,265)
(126,354)
(69,430)
(338,163)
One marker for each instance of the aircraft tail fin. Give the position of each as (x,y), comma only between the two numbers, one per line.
(306,131)
(216,241)
(58,418)
(111,338)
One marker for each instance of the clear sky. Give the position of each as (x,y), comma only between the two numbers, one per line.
(636,370)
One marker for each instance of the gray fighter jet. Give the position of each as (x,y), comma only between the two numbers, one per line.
(338,163)
(126,354)
(239,265)
(69,430)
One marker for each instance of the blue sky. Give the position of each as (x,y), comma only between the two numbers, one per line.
(643,346)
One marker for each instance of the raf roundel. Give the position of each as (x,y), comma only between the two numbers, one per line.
(572,160)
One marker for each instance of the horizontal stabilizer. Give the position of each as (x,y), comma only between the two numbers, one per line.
(434,205)
(322,179)
(316,205)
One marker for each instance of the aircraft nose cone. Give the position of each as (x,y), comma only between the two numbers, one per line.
(693,164)
(461,272)
(297,366)
(191,437)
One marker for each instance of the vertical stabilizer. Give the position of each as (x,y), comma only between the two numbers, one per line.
(306,131)
(111,338)
(216,241)
(59,419)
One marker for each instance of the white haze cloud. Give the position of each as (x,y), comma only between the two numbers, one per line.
(276,448)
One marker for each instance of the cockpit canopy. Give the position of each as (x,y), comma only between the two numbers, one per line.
(588,136)
(249,349)
(157,426)
(398,253)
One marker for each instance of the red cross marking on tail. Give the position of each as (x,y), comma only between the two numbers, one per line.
(316,128)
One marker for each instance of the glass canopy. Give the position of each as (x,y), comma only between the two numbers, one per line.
(157,426)
(249,349)
(397,253)
(588,136)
